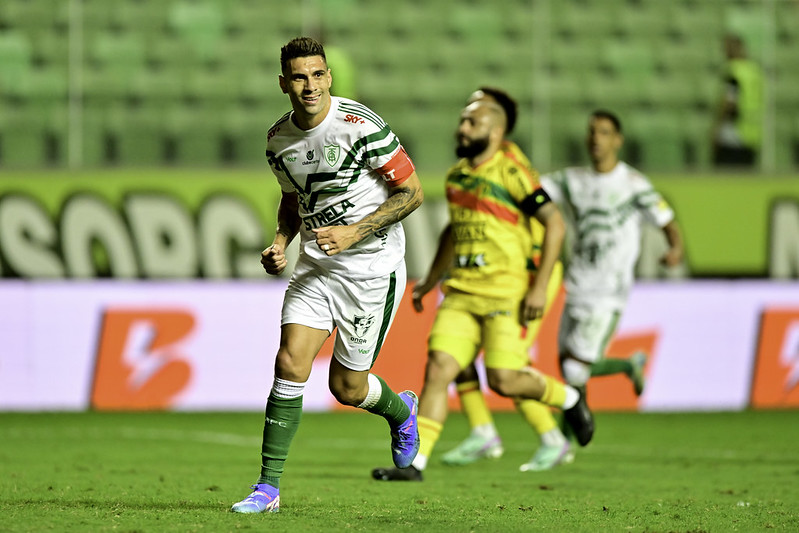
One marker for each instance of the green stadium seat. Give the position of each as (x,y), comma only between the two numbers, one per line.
(15,60)
(29,15)
(102,89)
(635,66)
(198,133)
(158,88)
(787,22)
(120,55)
(97,15)
(660,137)
(787,141)
(140,136)
(93,137)
(699,22)
(581,60)
(247,131)
(213,88)
(581,22)
(141,16)
(200,24)
(29,134)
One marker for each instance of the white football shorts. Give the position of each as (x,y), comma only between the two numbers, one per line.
(362,310)
(585,330)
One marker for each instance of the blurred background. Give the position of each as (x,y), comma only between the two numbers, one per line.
(88,83)
(132,136)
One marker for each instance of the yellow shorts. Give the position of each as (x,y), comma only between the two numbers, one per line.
(465,323)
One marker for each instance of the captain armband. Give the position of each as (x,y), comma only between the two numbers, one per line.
(533,203)
(398,169)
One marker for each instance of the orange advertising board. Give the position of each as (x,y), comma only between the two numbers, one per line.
(776,376)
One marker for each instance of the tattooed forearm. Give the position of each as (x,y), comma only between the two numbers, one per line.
(402,201)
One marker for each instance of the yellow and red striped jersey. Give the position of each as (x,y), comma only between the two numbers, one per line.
(492,236)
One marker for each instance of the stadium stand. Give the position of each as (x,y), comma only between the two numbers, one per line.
(193,82)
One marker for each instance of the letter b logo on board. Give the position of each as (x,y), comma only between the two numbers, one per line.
(139,360)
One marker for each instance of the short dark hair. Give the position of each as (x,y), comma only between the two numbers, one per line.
(300,47)
(506,102)
(603,113)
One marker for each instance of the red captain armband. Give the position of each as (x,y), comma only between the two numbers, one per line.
(398,169)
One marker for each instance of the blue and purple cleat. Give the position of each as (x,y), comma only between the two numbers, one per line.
(264,499)
(405,437)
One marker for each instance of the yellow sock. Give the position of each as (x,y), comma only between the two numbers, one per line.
(474,404)
(429,431)
(554,392)
(538,415)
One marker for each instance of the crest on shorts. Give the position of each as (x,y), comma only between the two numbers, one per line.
(362,323)
(332,153)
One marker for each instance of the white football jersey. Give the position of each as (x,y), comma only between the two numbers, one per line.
(605,212)
(333,167)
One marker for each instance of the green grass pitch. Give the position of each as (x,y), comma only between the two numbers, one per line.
(152,472)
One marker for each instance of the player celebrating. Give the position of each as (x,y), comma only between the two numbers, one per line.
(346,183)
(605,204)
(487,297)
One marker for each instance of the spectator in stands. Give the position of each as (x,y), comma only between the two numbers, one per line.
(738,129)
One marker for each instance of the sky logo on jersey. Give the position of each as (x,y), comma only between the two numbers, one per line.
(776,377)
(354,119)
(332,154)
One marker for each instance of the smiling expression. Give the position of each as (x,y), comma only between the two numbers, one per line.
(307,81)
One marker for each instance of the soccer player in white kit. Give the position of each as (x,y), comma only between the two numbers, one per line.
(346,183)
(605,205)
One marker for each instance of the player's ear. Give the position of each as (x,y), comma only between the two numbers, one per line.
(283,85)
(497,133)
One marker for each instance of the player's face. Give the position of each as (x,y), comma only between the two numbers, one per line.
(603,140)
(473,133)
(307,81)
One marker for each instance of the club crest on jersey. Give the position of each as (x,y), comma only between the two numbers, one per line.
(361,323)
(332,153)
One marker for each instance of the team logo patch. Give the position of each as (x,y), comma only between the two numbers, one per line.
(362,323)
(332,153)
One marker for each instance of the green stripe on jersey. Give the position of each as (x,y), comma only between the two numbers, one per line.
(351,157)
(496,191)
(363,111)
(376,152)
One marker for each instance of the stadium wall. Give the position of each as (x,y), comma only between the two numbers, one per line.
(211,224)
(210,345)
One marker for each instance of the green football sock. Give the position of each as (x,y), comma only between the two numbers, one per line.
(390,406)
(281,420)
(609,366)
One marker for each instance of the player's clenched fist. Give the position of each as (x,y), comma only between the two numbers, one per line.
(274,260)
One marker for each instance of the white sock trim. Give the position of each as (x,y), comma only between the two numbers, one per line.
(286,390)
(572,396)
(375,390)
(419,462)
(485,431)
(553,437)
